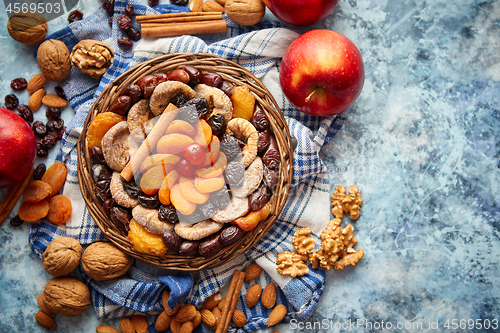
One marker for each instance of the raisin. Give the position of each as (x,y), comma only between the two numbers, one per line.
(194,217)
(103,190)
(179,2)
(129,10)
(194,74)
(53,113)
(16,221)
(11,101)
(171,240)
(60,133)
(189,114)
(124,22)
(231,235)
(125,41)
(100,172)
(189,248)
(218,123)
(259,119)
(211,245)
(75,15)
(19,84)
(39,129)
(134,92)
(107,205)
(48,141)
(120,217)
(211,79)
(134,34)
(39,171)
(58,124)
(110,21)
(50,125)
(60,92)
(168,213)
(259,197)
(41,152)
(131,188)
(153,3)
(25,113)
(109,7)
(149,201)
(235,172)
(230,146)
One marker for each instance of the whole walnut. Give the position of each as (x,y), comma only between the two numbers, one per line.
(66,296)
(62,256)
(53,60)
(27,28)
(92,57)
(245,12)
(103,261)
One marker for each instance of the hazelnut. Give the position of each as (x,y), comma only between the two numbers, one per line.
(245,12)
(27,28)
(92,57)
(53,60)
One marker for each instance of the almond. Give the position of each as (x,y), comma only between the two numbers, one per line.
(212,6)
(106,329)
(186,313)
(36,82)
(253,295)
(126,325)
(45,320)
(196,6)
(163,322)
(175,326)
(221,304)
(217,314)
(239,318)
(212,301)
(277,315)
(197,319)
(35,100)
(221,2)
(42,306)
(269,296)
(252,272)
(208,318)
(187,327)
(52,100)
(164,299)
(140,323)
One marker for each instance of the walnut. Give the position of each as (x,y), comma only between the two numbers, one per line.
(349,259)
(27,28)
(291,263)
(92,57)
(103,261)
(66,296)
(62,256)
(343,203)
(336,199)
(301,242)
(53,60)
(245,12)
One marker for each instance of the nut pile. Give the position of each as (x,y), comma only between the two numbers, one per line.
(242,12)
(211,173)
(337,243)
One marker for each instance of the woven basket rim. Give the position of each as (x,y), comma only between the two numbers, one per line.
(232,72)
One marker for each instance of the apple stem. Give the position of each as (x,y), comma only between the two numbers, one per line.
(308,98)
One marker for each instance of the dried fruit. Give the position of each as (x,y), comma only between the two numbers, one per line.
(218,124)
(129,10)
(124,22)
(148,201)
(100,126)
(11,101)
(211,245)
(59,209)
(231,235)
(259,197)
(66,296)
(149,219)
(172,240)
(271,156)
(153,178)
(27,27)
(250,221)
(188,190)
(54,60)
(189,248)
(18,83)
(53,113)
(243,102)
(174,143)
(115,146)
(32,212)
(144,241)
(218,99)
(55,176)
(244,129)
(237,207)
(75,15)
(62,256)
(16,221)
(36,191)
(165,92)
(125,41)
(277,315)
(179,75)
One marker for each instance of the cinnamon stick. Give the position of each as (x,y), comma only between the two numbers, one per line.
(12,196)
(150,142)
(214,16)
(184,28)
(231,301)
(140,18)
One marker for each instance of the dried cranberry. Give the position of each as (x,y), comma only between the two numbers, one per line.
(179,2)
(75,15)
(153,3)
(39,171)
(48,141)
(18,84)
(11,101)
(125,41)
(134,34)
(53,113)
(25,112)
(16,221)
(60,92)
(129,10)
(109,7)
(39,129)
(124,22)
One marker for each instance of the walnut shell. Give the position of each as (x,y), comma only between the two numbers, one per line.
(245,12)
(92,57)
(27,28)
(66,296)
(62,256)
(53,60)
(103,261)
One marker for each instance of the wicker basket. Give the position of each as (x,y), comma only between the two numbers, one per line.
(231,72)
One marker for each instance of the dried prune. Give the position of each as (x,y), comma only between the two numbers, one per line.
(134,34)
(211,79)
(107,205)
(259,119)
(194,217)
(230,146)
(211,245)
(189,248)
(96,155)
(218,124)
(11,101)
(102,189)
(201,105)
(149,201)
(124,22)
(134,92)
(168,213)
(131,188)
(270,178)
(19,83)
(75,15)
(231,235)
(178,100)
(60,92)
(220,199)
(100,172)
(194,74)
(129,10)
(120,217)
(171,240)
(271,157)
(39,171)
(16,221)
(125,41)
(147,84)
(189,114)
(234,173)
(259,197)
(208,209)
(39,129)
(48,141)
(25,113)
(53,113)
(263,142)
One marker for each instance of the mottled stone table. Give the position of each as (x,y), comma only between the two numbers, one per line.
(421,143)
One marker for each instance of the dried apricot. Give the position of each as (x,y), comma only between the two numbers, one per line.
(59,209)
(243,102)
(153,178)
(190,192)
(55,176)
(144,241)
(214,170)
(207,130)
(213,151)
(182,127)
(250,221)
(100,125)
(173,143)
(168,182)
(36,191)
(183,205)
(32,212)
(158,159)
(208,185)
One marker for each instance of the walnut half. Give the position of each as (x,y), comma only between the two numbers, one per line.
(291,263)
(92,57)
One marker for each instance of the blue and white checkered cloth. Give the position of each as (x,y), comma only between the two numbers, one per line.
(259,49)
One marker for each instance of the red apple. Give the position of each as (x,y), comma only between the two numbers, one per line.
(17,148)
(300,12)
(322,73)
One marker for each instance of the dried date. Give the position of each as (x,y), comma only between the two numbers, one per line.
(259,197)
(172,240)
(263,142)
(133,91)
(227,88)
(231,235)
(120,217)
(179,75)
(211,245)
(211,79)
(161,77)
(102,189)
(259,119)
(189,248)
(194,74)
(107,205)
(147,84)
(96,155)
(270,178)
(121,105)
(271,157)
